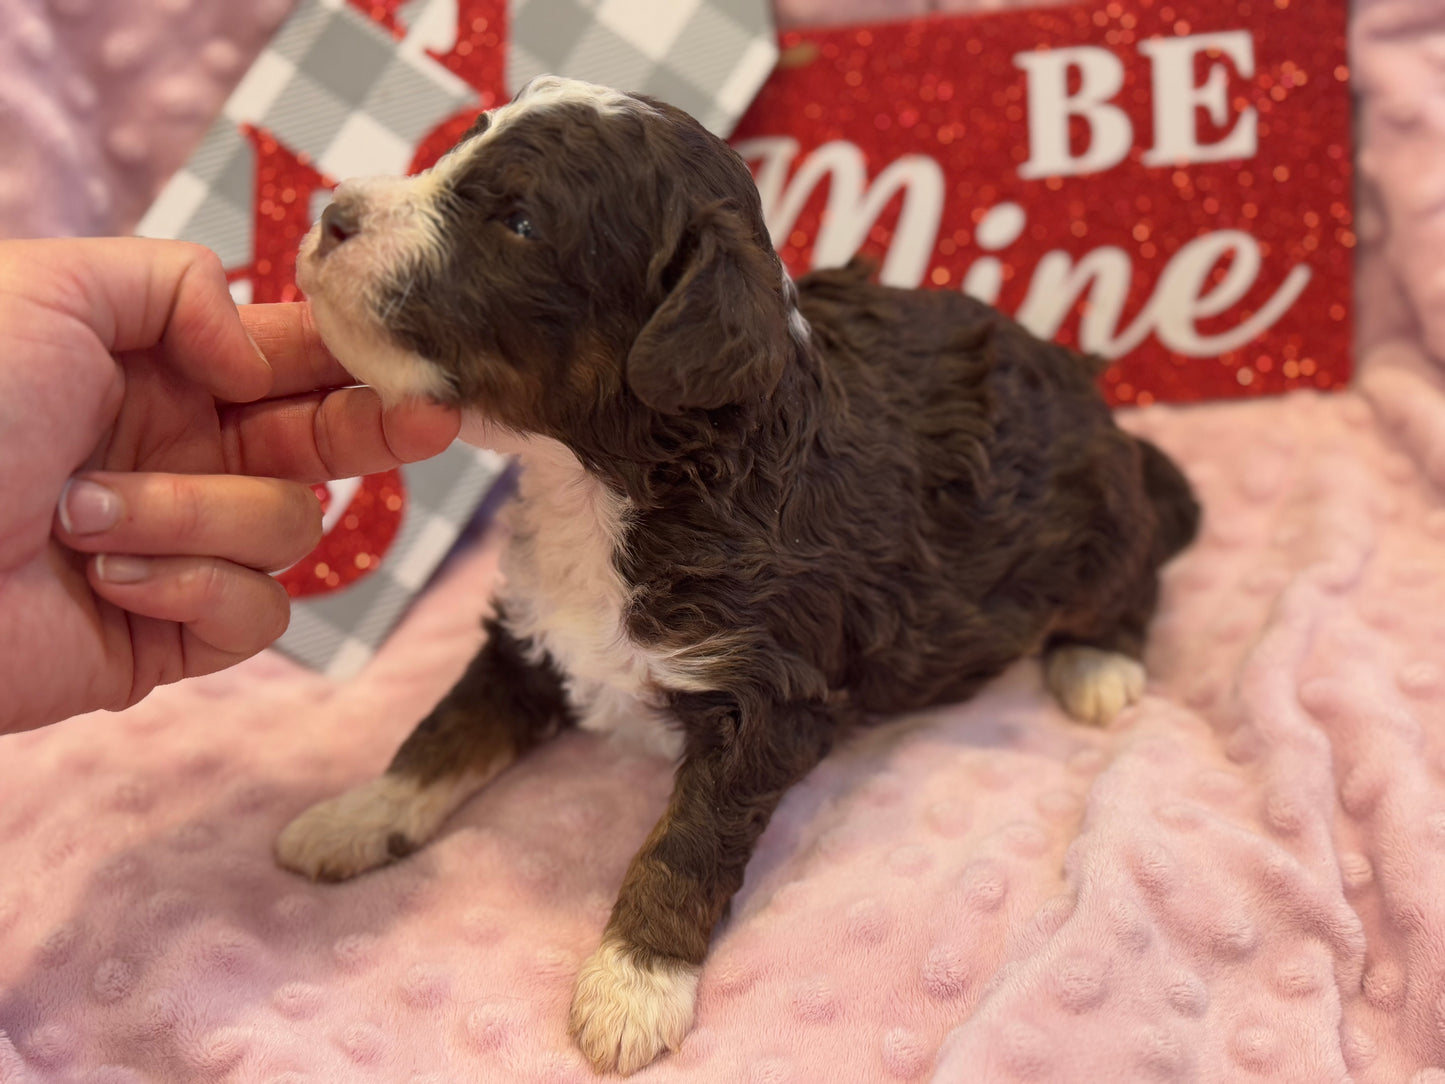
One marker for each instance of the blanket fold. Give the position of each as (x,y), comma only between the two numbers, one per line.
(1243,878)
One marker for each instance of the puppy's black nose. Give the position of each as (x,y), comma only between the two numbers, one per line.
(337,224)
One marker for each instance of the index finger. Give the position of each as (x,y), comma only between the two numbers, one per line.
(336,434)
(287,335)
(134,294)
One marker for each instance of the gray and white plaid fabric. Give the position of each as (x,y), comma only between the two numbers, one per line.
(708,57)
(337,633)
(331,84)
(337,87)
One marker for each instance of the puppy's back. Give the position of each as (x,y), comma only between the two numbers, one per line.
(939,361)
(1038,510)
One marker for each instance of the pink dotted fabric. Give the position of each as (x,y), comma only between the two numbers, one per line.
(101,100)
(1243,879)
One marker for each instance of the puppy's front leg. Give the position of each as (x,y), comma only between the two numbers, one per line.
(635,994)
(504,704)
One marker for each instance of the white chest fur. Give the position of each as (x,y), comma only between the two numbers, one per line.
(562,589)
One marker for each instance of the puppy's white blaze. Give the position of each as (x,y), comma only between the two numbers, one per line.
(1091,684)
(546,90)
(562,590)
(543,92)
(624,1014)
(797,322)
(401,231)
(351,833)
(625,717)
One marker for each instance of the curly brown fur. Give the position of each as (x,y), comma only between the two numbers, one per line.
(816,517)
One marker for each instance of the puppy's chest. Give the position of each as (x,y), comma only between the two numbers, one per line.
(562,590)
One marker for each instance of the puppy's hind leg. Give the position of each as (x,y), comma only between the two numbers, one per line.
(1176,509)
(1095,675)
(1093,684)
(503,705)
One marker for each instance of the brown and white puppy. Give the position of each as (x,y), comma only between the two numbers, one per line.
(751,517)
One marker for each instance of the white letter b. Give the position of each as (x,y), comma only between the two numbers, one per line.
(1050,107)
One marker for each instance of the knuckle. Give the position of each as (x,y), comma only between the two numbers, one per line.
(306,516)
(264,615)
(296,526)
(245,610)
(277,612)
(208,584)
(200,276)
(325,443)
(187,518)
(203,261)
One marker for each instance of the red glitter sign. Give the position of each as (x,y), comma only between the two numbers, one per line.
(357,541)
(1164,182)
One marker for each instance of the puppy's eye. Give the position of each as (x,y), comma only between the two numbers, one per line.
(520,224)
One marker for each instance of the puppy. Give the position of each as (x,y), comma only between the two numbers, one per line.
(751,517)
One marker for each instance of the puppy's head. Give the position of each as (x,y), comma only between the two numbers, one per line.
(578,250)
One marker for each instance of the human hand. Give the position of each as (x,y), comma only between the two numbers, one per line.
(122,364)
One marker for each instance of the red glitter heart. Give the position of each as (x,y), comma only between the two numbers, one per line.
(357,542)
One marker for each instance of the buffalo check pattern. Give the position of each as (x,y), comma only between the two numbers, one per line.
(338,87)
(331,84)
(708,57)
(337,633)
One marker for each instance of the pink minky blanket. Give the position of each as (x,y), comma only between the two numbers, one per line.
(1243,878)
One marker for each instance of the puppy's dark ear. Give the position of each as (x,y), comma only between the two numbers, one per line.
(720,336)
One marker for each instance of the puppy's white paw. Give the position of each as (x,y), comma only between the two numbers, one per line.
(365,827)
(1093,685)
(625,1012)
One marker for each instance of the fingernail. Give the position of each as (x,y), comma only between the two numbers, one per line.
(88,507)
(122,568)
(256,347)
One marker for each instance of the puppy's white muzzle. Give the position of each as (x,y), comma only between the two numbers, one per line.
(357,265)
